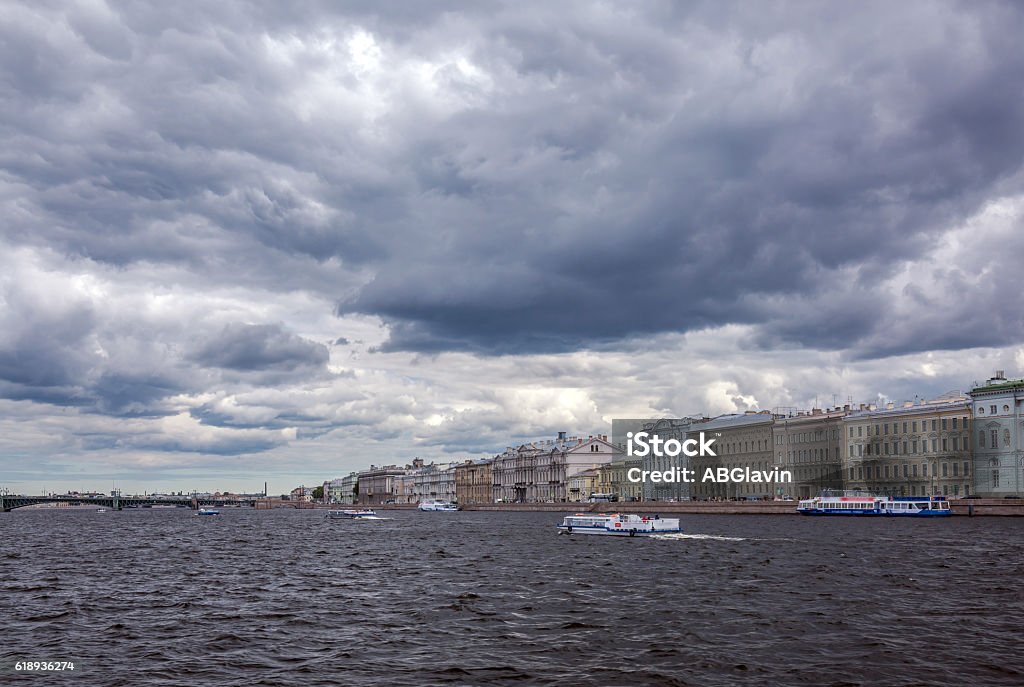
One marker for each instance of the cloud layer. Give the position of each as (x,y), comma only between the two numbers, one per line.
(314,237)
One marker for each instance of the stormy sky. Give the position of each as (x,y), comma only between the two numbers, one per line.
(246,242)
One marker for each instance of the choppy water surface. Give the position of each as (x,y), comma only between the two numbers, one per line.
(290,598)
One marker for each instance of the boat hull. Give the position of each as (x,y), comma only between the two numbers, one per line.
(879,514)
(867,505)
(605,532)
(351,515)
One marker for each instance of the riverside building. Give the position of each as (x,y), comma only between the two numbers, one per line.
(914,449)
(434,482)
(665,429)
(998,410)
(341,490)
(473,482)
(613,478)
(539,472)
(376,486)
(808,445)
(743,441)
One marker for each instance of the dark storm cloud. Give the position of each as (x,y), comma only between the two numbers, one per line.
(254,348)
(498,178)
(731,188)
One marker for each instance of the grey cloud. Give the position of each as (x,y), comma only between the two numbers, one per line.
(663,171)
(252,347)
(508,179)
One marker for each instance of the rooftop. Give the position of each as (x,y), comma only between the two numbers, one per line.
(735,420)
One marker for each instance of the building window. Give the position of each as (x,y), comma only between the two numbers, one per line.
(943,423)
(944,447)
(981,410)
(887,472)
(905,470)
(995,438)
(933,425)
(992,410)
(1006,409)
(914,446)
(914,470)
(954,423)
(904,448)
(956,469)
(966,464)
(995,479)
(913,426)
(885,428)
(956,443)
(851,430)
(924,469)
(981,438)
(945,469)
(1006,438)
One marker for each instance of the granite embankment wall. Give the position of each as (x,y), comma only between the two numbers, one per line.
(1011,507)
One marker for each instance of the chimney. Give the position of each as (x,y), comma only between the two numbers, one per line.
(561,436)
(1000,374)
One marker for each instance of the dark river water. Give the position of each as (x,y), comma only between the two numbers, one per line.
(290,598)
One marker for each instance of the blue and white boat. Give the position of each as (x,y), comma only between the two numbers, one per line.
(364,513)
(866,504)
(208,511)
(618,525)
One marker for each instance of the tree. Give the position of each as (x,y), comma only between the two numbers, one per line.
(318,493)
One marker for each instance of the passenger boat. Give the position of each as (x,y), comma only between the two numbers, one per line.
(446,506)
(866,504)
(618,524)
(208,511)
(101,510)
(351,514)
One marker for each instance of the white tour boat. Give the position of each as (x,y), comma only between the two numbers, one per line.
(363,514)
(618,524)
(446,506)
(866,504)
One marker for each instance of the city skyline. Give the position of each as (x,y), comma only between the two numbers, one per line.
(249,244)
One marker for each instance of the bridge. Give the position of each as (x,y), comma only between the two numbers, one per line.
(9,502)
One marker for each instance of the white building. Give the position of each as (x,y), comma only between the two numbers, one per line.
(998,433)
(435,481)
(540,471)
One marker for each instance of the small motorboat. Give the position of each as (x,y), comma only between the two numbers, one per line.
(362,514)
(208,511)
(101,510)
(438,505)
